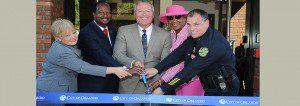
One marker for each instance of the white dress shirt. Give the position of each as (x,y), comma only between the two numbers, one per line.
(104,33)
(148,32)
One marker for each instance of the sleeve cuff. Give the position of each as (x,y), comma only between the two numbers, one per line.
(166,87)
(131,63)
(158,68)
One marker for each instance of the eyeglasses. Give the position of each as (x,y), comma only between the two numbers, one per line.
(172,17)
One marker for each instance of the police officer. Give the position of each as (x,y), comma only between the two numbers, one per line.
(207,54)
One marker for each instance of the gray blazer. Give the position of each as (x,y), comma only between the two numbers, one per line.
(60,69)
(128,47)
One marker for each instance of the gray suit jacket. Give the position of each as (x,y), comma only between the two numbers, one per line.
(128,47)
(60,69)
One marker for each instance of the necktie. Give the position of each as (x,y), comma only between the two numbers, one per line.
(144,42)
(106,33)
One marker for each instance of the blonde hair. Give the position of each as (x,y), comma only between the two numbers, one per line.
(60,26)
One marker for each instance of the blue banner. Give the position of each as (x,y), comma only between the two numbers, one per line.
(100,98)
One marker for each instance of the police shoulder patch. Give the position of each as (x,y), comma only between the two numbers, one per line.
(203,51)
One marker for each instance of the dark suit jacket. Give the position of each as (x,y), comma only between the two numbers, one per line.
(97,50)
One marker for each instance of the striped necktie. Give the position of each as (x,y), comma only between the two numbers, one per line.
(144,42)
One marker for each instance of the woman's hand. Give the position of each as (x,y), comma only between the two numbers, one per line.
(121,72)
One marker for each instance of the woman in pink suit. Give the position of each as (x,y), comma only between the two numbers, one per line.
(175,16)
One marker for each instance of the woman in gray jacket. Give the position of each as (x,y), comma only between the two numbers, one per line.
(63,62)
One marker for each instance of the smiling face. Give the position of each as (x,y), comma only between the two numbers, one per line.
(69,37)
(144,14)
(102,15)
(176,22)
(197,27)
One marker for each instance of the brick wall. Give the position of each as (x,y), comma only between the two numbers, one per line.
(46,12)
(238,25)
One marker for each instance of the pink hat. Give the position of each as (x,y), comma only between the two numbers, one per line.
(172,10)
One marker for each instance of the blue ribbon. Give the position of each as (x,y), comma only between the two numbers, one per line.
(145,82)
(102,98)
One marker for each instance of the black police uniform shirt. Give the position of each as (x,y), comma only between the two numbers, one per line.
(211,51)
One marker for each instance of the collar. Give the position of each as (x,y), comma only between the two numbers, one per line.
(75,46)
(100,26)
(148,29)
(182,32)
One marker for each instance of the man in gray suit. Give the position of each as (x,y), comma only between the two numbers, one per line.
(142,44)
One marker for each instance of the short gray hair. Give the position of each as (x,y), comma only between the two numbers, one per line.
(201,12)
(147,2)
(60,26)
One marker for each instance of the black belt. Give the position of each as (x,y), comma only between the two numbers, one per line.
(221,78)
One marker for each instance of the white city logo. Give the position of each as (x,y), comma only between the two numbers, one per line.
(222,101)
(115,98)
(169,99)
(63,97)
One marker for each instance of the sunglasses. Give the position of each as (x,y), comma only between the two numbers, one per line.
(172,17)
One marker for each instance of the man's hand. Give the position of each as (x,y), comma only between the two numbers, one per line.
(136,69)
(137,63)
(150,72)
(158,91)
(156,84)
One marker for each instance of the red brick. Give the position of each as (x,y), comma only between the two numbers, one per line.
(38,37)
(241,21)
(39,22)
(47,8)
(47,17)
(39,17)
(43,12)
(39,8)
(39,64)
(47,27)
(46,46)
(39,47)
(42,50)
(47,36)
(43,31)
(44,3)
(43,41)
(38,27)
(43,47)
(39,68)
(241,25)
(38,55)
(41,59)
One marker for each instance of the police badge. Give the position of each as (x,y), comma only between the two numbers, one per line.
(203,51)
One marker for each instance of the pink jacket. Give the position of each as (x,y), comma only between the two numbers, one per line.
(182,35)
